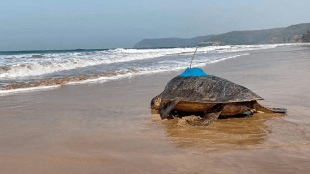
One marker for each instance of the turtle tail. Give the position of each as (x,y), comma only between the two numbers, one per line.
(259,107)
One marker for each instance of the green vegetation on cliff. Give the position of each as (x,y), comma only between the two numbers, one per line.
(291,34)
(171,42)
(306,36)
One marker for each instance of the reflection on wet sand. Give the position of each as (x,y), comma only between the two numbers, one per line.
(223,134)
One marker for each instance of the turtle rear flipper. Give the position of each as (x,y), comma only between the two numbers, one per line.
(278,110)
(265,109)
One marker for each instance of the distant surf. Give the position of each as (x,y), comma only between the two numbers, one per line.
(35,69)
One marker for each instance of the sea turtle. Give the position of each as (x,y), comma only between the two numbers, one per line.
(196,93)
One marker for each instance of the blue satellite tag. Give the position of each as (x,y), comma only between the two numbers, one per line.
(193,72)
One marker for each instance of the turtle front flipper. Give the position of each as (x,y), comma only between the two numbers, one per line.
(168,107)
(209,117)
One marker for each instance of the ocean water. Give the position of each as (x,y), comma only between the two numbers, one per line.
(41,69)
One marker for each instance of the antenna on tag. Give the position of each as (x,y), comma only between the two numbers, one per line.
(190,66)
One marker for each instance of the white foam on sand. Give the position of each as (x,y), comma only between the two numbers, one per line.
(17,66)
(25,90)
(126,55)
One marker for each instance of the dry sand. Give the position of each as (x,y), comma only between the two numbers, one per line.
(108,127)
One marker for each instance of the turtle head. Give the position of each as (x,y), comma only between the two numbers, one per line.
(156,102)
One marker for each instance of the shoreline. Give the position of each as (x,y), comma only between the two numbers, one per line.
(21,74)
(108,127)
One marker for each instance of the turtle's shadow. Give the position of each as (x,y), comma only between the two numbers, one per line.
(238,132)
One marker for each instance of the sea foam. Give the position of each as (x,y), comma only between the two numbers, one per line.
(39,67)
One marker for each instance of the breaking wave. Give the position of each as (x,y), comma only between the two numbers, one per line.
(49,68)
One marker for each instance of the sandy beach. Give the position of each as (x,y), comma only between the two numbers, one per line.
(108,127)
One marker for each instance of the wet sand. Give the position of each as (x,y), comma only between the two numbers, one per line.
(108,127)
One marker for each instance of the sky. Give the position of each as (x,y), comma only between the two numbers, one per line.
(73,24)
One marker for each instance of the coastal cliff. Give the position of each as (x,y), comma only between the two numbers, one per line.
(290,34)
